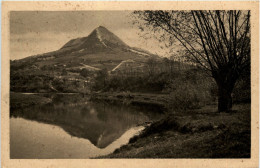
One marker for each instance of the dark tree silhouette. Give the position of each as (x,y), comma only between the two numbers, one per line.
(100,79)
(217,41)
(151,63)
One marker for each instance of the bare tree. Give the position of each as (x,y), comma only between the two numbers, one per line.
(217,41)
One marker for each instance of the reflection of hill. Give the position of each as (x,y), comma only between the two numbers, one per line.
(99,123)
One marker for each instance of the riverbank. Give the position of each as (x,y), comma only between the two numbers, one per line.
(198,133)
(21,100)
(149,101)
(201,134)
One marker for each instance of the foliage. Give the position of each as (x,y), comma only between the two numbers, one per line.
(189,96)
(21,81)
(100,80)
(151,62)
(217,41)
(64,72)
(84,72)
(191,90)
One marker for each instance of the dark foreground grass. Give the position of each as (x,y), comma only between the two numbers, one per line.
(193,135)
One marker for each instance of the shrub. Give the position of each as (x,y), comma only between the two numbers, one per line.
(85,73)
(64,72)
(242,90)
(189,96)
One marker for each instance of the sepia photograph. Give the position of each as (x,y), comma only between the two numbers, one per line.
(131,84)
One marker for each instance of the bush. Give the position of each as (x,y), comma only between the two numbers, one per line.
(189,96)
(100,81)
(64,72)
(242,90)
(84,72)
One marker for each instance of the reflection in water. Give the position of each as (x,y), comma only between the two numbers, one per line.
(91,129)
(37,140)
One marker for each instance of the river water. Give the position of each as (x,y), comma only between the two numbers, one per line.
(72,127)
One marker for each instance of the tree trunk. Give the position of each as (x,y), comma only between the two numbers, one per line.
(225,80)
(224,98)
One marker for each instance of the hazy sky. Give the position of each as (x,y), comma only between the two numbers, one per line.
(34,32)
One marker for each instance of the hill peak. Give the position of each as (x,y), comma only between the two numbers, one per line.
(101,27)
(99,37)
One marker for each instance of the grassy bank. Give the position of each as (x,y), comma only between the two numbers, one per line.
(196,134)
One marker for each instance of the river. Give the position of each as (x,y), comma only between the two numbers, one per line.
(73,127)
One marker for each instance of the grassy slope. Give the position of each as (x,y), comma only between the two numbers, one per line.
(98,59)
(194,135)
